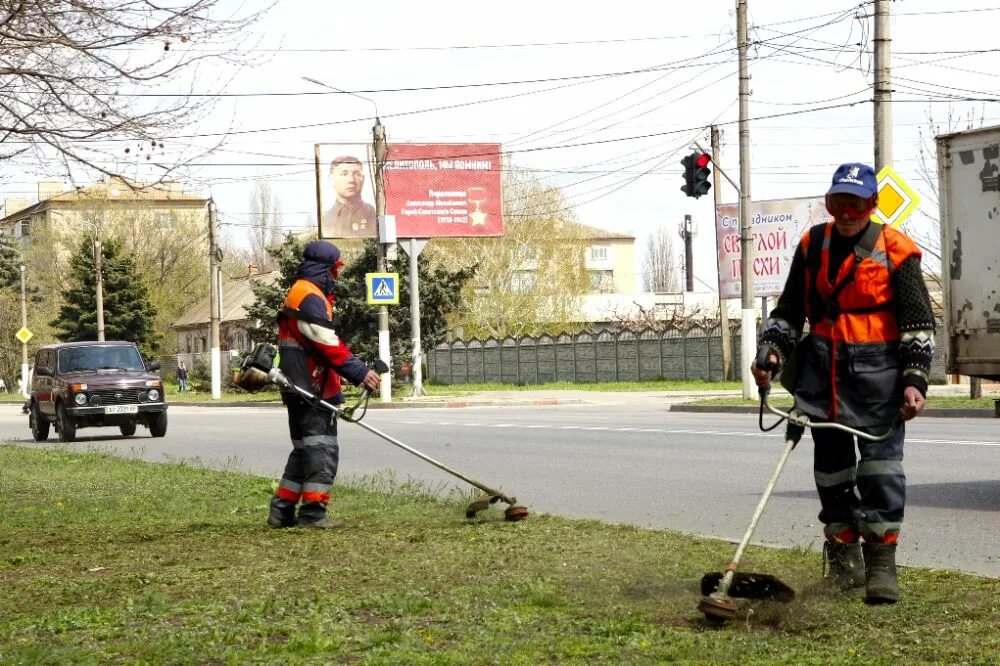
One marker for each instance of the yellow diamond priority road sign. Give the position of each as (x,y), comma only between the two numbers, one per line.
(895,199)
(24,335)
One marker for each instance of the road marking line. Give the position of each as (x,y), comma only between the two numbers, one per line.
(720,433)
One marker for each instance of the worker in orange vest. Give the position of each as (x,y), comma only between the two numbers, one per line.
(314,357)
(865,364)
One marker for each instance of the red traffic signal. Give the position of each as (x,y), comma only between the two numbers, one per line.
(696,174)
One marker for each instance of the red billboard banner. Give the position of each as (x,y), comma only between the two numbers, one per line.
(444,189)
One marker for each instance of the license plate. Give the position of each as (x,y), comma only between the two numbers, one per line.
(122,409)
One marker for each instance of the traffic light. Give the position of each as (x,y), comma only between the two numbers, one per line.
(696,173)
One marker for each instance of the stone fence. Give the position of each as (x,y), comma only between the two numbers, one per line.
(689,353)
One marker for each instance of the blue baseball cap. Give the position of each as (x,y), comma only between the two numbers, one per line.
(854,178)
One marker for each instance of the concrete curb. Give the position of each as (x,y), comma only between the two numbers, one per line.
(935,412)
(441,404)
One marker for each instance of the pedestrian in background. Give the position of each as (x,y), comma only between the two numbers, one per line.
(182,376)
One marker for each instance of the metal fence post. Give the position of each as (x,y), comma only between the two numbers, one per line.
(708,352)
(517,361)
(573,347)
(684,353)
(638,359)
(537,342)
(659,349)
(451,369)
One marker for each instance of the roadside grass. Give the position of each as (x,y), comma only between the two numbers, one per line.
(651,385)
(434,390)
(112,560)
(933,401)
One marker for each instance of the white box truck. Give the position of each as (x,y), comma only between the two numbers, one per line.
(969,195)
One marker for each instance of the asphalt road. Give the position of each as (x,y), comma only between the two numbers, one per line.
(632,463)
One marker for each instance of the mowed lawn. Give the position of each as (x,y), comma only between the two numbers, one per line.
(110,560)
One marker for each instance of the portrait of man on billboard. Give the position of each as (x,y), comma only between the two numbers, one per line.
(345,191)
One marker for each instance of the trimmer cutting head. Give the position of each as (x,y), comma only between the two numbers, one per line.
(512,513)
(721,607)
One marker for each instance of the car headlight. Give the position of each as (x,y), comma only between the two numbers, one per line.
(80,399)
(154,395)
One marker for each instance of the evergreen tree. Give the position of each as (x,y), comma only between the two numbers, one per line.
(268,296)
(128,313)
(357,321)
(10,263)
(440,295)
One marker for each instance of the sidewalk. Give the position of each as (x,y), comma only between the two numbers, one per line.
(675,401)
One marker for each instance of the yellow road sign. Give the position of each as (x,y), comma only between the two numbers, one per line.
(895,199)
(24,335)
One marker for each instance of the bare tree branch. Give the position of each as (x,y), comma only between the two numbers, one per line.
(73,73)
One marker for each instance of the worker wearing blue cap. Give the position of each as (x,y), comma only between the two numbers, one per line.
(864,363)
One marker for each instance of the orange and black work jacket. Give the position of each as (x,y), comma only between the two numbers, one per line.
(871,327)
(312,354)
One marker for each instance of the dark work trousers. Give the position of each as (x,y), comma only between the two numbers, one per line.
(312,464)
(863,498)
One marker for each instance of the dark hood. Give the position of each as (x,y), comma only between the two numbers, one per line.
(317,260)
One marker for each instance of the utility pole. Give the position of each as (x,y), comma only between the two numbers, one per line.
(25,389)
(748,334)
(98,256)
(687,233)
(883,89)
(378,134)
(727,340)
(413,248)
(213,299)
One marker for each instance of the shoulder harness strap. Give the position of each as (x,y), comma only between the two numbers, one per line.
(864,249)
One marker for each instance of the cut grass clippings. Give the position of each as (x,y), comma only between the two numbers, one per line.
(111,560)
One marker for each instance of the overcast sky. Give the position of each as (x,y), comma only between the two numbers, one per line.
(600,99)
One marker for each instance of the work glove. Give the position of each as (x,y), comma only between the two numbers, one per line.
(765,366)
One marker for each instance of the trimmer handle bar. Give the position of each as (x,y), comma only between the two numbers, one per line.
(797,419)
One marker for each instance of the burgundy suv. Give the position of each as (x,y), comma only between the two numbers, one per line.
(91,384)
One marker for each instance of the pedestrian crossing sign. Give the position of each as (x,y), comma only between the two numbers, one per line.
(383,288)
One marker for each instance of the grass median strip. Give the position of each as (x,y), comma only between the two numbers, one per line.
(111,560)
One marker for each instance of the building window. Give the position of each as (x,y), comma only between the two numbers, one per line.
(602,281)
(599,253)
(522,281)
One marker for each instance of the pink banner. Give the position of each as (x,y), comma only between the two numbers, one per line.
(444,189)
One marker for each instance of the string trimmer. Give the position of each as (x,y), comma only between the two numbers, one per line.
(719,589)
(261,361)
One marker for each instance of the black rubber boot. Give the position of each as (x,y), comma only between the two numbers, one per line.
(324,523)
(282,513)
(846,565)
(880,583)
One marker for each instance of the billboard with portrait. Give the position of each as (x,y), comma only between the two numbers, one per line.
(432,189)
(345,191)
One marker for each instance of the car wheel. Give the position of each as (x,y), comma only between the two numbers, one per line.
(128,429)
(158,424)
(67,424)
(39,426)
